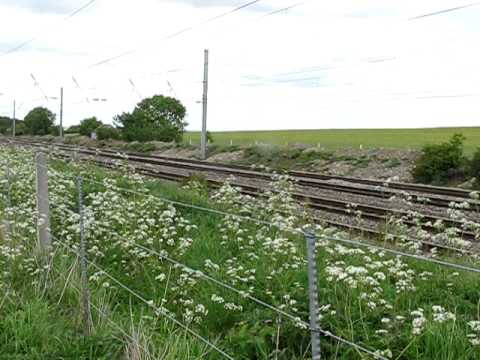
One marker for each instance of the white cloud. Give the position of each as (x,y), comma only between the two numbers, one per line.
(331,64)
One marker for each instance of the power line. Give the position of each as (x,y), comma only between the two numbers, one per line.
(447,96)
(75,12)
(440,12)
(78,86)
(135,90)
(285,9)
(37,85)
(177,33)
(113,58)
(205,22)
(172,89)
(25,43)
(188,28)
(315,69)
(231,11)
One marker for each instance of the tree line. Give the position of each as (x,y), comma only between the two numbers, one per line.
(159,117)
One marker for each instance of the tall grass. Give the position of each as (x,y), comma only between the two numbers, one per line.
(406,308)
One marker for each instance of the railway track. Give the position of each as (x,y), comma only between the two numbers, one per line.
(373,213)
(417,193)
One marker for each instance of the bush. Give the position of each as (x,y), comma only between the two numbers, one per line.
(440,163)
(74,129)
(20,128)
(54,130)
(88,126)
(209,137)
(475,165)
(148,133)
(106,132)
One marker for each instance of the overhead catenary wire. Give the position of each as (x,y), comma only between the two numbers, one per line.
(179,32)
(78,87)
(222,15)
(80,9)
(37,85)
(171,88)
(285,9)
(440,12)
(135,90)
(69,16)
(272,13)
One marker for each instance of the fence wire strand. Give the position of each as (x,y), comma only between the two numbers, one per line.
(297,320)
(297,231)
(227,286)
(256,300)
(104,315)
(148,303)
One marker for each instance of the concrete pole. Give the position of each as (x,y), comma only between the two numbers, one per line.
(87,315)
(204,113)
(43,203)
(313,294)
(61,112)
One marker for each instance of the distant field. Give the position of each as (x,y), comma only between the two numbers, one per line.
(368,138)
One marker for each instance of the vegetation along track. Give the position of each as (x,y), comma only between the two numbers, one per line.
(180,169)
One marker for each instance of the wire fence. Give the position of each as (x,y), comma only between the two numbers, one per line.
(81,246)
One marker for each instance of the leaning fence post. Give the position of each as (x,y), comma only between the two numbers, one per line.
(313,295)
(87,317)
(43,203)
(7,227)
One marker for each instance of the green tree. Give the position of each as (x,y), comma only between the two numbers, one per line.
(89,125)
(5,125)
(39,121)
(156,118)
(440,162)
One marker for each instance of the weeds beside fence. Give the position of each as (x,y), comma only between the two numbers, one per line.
(141,252)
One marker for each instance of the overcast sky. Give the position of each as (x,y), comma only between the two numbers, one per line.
(321,64)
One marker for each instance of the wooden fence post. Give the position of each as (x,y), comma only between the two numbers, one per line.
(43,204)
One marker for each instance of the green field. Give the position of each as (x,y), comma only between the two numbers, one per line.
(368,138)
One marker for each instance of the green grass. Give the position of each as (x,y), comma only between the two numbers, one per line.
(41,315)
(334,139)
